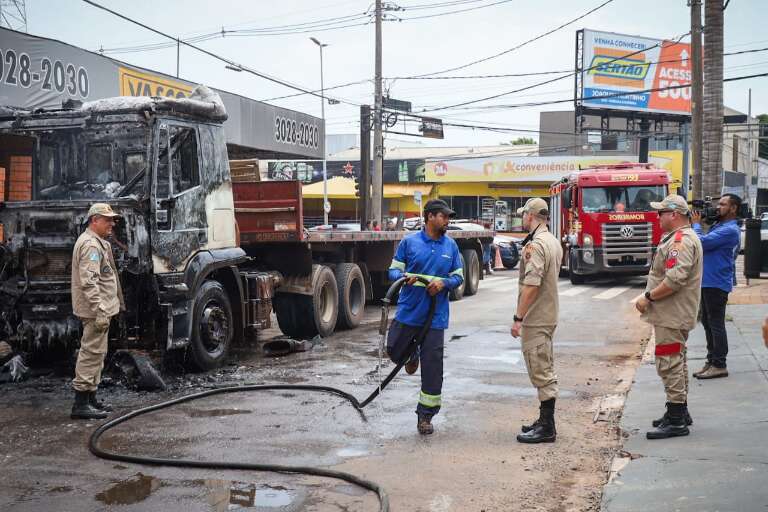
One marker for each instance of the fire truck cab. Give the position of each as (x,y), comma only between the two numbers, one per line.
(603,218)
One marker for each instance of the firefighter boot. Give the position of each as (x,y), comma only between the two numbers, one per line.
(98,404)
(665,417)
(424,425)
(674,426)
(543,430)
(83,410)
(527,428)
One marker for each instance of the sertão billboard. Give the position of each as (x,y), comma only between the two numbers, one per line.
(623,72)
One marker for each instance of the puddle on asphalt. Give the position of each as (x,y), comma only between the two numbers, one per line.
(221,495)
(209,413)
(352,452)
(130,491)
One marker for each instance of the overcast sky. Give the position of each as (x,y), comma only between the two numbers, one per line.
(411,47)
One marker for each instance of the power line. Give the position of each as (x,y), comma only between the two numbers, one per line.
(613,95)
(215,56)
(524,43)
(539,84)
(425,16)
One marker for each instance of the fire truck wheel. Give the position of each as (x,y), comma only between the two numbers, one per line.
(471,271)
(212,326)
(351,286)
(458,293)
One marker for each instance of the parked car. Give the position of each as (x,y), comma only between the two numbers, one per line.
(510,248)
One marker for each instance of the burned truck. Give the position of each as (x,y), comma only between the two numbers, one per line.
(202,260)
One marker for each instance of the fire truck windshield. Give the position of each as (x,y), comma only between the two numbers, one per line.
(621,199)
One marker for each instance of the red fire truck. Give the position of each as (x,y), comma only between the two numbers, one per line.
(602,216)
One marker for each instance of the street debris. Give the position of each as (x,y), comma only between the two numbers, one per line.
(136,371)
(282,346)
(15,370)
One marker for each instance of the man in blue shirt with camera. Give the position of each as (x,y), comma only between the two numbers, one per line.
(721,246)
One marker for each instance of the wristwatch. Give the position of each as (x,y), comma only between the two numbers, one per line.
(517,318)
(648,296)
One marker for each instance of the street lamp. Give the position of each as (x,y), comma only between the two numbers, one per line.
(326,204)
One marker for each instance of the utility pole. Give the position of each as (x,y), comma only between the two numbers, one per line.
(326,204)
(365,164)
(697,98)
(378,140)
(712,137)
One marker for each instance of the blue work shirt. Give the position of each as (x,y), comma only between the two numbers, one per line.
(721,245)
(420,255)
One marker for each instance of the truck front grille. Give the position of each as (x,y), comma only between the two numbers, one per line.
(627,244)
(51,264)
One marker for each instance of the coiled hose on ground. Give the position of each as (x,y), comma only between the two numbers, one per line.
(93,443)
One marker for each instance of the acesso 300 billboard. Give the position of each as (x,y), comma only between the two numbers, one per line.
(624,72)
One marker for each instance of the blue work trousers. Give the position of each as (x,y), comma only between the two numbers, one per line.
(430,355)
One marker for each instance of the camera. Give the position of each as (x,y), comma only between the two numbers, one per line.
(709,210)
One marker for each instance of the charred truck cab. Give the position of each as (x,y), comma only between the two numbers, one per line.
(162,165)
(603,218)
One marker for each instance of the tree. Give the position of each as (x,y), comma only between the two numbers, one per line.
(712,155)
(523,141)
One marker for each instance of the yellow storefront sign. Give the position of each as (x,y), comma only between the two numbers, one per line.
(138,83)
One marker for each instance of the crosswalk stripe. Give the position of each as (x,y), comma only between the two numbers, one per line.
(611,292)
(576,290)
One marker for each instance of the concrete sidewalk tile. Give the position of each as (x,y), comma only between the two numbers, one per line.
(695,486)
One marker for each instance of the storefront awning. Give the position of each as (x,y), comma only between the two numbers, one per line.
(344,188)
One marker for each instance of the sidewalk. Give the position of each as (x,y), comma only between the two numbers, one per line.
(722,465)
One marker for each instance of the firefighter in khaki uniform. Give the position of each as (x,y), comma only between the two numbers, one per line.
(96,298)
(536,315)
(671,304)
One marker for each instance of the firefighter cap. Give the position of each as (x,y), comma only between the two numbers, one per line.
(102,209)
(535,205)
(672,202)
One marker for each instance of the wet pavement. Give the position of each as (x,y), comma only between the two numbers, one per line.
(472,462)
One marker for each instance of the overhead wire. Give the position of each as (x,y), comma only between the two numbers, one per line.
(216,56)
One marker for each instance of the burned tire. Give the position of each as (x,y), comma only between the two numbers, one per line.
(306,316)
(212,327)
(351,286)
(471,271)
(458,293)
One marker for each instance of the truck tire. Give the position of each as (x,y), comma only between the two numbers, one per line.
(212,326)
(458,293)
(471,271)
(351,285)
(306,316)
(575,278)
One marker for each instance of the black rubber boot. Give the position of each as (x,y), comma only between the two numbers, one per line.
(659,422)
(543,430)
(674,426)
(97,404)
(83,410)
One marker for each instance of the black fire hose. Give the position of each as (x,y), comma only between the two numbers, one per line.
(93,442)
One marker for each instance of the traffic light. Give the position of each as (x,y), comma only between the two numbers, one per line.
(357,187)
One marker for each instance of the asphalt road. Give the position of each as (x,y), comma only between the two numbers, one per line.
(471,463)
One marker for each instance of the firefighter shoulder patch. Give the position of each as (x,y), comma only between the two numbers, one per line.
(94,256)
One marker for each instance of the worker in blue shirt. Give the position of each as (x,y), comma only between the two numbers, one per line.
(431,255)
(721,246)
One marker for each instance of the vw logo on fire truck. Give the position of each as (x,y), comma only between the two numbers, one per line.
(627,232)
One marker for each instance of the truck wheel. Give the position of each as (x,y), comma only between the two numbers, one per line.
(458,293)
(471,271)
(351,286)
(575,278)
(212,326)
(305,316)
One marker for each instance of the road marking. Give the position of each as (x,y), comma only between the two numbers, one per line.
(505,283)
(611,292)
(576,290)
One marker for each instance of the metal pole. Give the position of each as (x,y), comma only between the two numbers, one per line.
(697,98)
(326,204)
(378,140)
(686,163)
(644,139)
(178,46)
(365,164)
